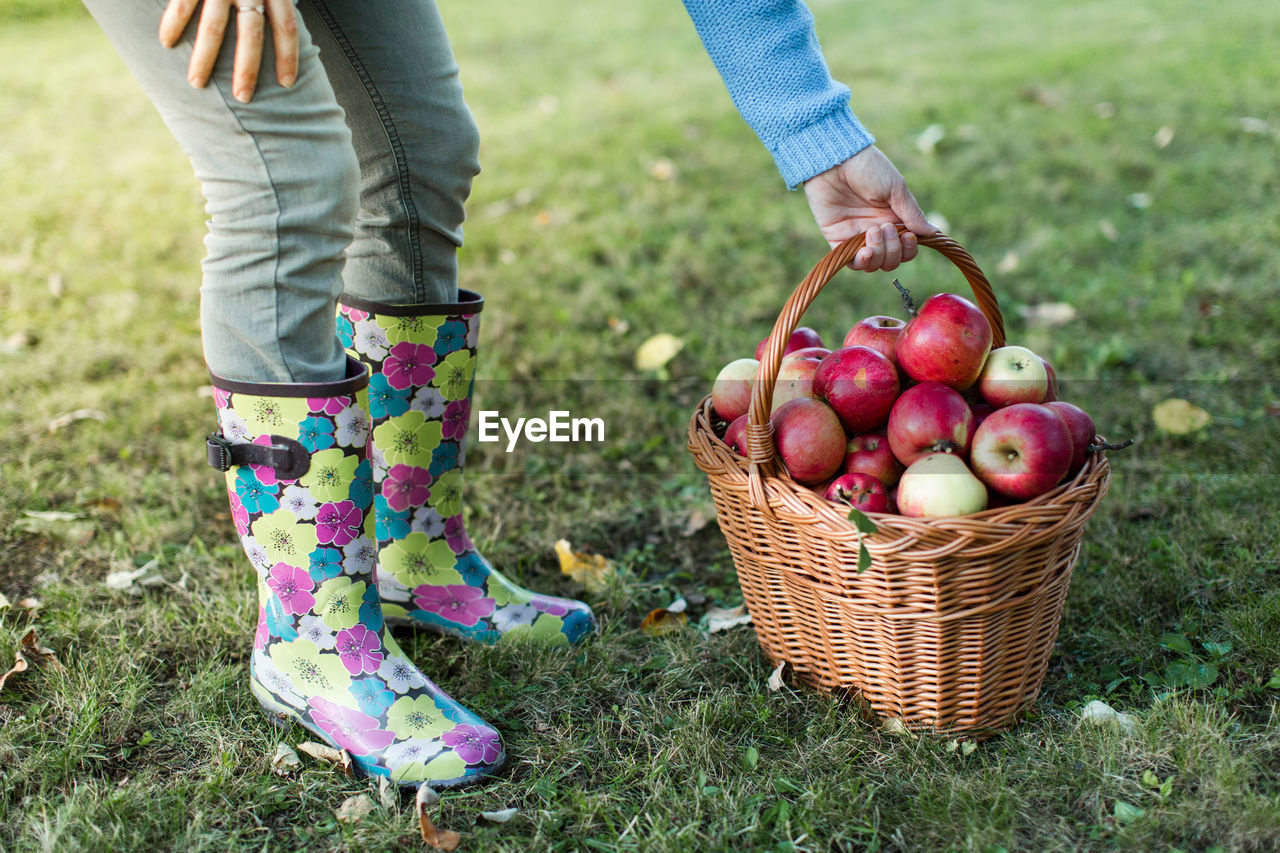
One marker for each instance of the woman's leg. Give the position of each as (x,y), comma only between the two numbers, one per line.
(280,180)
(394,74)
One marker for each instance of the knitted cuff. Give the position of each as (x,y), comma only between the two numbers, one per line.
(827,142)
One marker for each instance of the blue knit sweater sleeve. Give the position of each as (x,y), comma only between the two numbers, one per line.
(768,56)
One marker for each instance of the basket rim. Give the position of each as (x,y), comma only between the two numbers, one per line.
(1090,484)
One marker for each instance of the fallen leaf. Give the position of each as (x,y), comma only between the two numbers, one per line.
(105,504)
(31,605)
(1049,313)
(388,794)
(1139,201)
(323,752)
(440,839)
(1009,263)
(286,760)
(70,527)
(354,808)
(618,325)
(662,169)
(894,726)
(31,652)
(1104,109)
(696,519)
(678,606)
(662,621)
(1163,137)
(1178,417)
(78,415)
(928,139)
(775,677)
(655,352)
(1108,230)
(500,816)
(722,619)
(591,570)
(1125,813)
(4,601)
(133,581)
(55,283)
(1102,714)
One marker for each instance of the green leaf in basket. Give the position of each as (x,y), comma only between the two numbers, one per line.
(866,527)
(860,521)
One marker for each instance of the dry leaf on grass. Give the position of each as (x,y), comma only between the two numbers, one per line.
(1049,313)
(388,794)
(1163,137)
(775,677)
(440,839)
(286,760)
(500,816)
(322,752)
(4,601)
(133,581)
(591,570)
(31,652)
(662,169)
(354,808)
(723,618)
(1178,417)
(1102,714)
(70,527)
(655,352)
(680,605)
(696,519)
(663,621)
(78,415)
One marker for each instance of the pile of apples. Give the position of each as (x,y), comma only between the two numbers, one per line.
(920,417)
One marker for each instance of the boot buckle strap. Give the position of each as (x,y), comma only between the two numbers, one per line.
(286,456)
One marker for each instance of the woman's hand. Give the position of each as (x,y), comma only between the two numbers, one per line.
(867,194)
(251,17)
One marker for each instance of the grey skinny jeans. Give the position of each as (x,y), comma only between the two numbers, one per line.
(354,178)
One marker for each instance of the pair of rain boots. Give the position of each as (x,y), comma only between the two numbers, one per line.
(347,497)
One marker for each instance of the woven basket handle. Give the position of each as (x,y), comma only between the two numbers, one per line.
(760,449)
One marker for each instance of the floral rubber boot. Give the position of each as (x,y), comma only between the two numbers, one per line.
(423,359)
(301,492)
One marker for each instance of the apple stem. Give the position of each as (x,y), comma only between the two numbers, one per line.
(906,298)
(1104,445)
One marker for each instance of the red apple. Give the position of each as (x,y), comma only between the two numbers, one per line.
(928,418)
(810,440)
(880,333)
(795,381)
(736,435)
(800,338)
(731,392)
(1022,450)
(1052,393)
(1081,427)
(860,384)
(940,484)
(1013,374)
(871,454)
(860,491)
(946,341)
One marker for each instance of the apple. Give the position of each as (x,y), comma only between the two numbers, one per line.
(800,338)
(1081,427)
(1013,374)
(928,418)
(1022,450)
(731,392)
(795,381)
(860,491)
(940,484)
(809,439)
(880,333)
(1052,393)
(860,384)
(946,341)
(807,352)
(736,435)
(871,454)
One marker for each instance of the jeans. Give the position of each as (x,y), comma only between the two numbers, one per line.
(353,179)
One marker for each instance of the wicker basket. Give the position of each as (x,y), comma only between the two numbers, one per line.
(951,627)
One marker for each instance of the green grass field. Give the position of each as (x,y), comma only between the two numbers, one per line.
(1120,158)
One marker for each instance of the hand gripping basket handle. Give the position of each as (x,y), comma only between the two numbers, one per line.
(760,449)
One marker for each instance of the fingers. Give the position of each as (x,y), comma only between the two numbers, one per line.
(250,31)
(174,20)
(284,37)
(214,18)
(885,249)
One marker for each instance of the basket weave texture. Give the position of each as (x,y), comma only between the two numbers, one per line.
(951,627)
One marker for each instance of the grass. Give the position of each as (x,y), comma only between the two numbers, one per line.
(1048,173)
